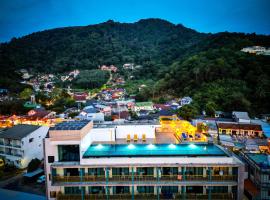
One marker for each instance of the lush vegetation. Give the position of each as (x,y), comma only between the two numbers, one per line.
(222,79)
(33,165)
(176,61)
(90,79)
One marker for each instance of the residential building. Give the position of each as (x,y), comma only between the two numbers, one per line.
(257,186)
(233,128)
(258,50)
(40,113)
(185,101)
(135,161)
(80,97)
(22,143)
(91,113)
(143,106)
(241,117)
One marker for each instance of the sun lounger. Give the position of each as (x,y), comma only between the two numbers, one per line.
(135,138)
(128,138)
(143,137)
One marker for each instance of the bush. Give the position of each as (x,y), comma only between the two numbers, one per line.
(33,165)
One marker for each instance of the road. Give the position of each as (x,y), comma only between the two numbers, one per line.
(95,94)
(10,180)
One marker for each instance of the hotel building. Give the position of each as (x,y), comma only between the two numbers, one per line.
(136,161)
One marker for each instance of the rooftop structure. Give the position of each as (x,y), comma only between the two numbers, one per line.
(137,161)
(18,132)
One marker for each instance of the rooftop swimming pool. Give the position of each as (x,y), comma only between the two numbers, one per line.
(152,150)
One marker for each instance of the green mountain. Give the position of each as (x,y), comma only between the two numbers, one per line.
(209,67)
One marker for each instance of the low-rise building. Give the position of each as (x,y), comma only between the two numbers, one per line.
(22,143)
(143,106)
(241,117)
(91,113)
(233,128)
(133,161)
(185,101)
(257,186)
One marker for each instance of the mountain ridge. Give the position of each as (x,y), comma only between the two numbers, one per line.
(180,60)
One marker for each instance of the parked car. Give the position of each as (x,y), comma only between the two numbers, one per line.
(41,179)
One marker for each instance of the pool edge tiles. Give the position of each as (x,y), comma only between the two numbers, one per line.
(153,150)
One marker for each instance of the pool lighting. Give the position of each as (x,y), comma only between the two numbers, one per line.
(205,148)
(172,146)
(151,146)
(192,146)
(99,146)
(131,146)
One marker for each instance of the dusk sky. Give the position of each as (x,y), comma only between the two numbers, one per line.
(22,17)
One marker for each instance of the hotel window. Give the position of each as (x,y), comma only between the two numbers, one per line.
(120,189)
(96,171)
(73,190)
(96,190)
(120,171)
(145,171)
(50,159)
(220,189)
(31,140)
(194,170)
(52,194)
(145,189)
(68,153)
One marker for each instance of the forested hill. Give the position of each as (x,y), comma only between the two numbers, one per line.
(107,43)
(209,67)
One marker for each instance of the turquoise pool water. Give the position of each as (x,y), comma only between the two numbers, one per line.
(153,150)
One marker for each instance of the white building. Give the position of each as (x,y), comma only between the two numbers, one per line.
(22,143)
(241,117)
(185,101)
(134,161)
(90,113)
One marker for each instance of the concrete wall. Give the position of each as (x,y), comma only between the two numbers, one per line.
(33,149)
(240,188)
(123,131)
(50,150)
(102,134)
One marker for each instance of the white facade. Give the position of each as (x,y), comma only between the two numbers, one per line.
(21,152)
(96,117)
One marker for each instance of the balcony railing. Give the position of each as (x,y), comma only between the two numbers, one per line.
(214,196)
(104,196)
(11,145)
(187,196)
(143,178)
